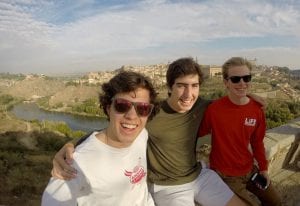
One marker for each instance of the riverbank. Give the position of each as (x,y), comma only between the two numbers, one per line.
(67,110)
(31,112)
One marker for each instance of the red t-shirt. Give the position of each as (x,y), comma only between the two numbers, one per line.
(237,136)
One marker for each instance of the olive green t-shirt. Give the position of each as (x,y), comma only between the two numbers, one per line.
(172,142)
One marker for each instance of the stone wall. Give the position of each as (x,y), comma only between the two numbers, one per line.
(282,147)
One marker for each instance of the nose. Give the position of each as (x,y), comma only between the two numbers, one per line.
(187,91)
(131,113)
(242,81)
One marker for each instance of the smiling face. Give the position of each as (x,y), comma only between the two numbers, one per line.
(184,93)
(123,128)
(237,91)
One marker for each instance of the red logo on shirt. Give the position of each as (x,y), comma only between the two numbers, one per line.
(137,175)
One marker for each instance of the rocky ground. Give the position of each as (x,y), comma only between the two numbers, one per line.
(288,184)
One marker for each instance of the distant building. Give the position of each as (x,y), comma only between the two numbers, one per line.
(211,70)
(253,62)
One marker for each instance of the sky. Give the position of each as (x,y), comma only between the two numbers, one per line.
(77,36)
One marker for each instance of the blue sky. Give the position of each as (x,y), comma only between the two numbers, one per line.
(70,36)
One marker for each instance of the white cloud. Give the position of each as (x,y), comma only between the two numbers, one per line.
(40,34)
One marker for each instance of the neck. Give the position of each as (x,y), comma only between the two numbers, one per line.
(170,104)
(113,142)
(238,100)
(174,107)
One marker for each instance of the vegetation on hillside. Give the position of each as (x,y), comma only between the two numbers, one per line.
(60,127)
(280,112)
(24,172)
(7,102)
(26,153)
(12,76)
(90,106)
(43,102)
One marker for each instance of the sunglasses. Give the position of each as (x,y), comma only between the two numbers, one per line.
(142,109)
(237,79)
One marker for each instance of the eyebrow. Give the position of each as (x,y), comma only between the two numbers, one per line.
(185,84)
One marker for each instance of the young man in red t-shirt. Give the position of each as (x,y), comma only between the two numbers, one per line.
(237,125)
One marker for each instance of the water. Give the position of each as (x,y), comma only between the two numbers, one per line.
(30,111)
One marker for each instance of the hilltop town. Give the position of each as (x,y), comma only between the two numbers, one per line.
(278,77)
(268,81)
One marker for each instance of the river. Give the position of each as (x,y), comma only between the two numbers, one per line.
(30,111)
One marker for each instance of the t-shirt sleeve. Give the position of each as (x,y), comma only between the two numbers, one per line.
(257,144)
(82,139)
(205,125)
(60,192)
(65,193)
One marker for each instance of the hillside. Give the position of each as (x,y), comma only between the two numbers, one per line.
(295,73)
(25,165)
(70,95)
(51,94)
(33,88)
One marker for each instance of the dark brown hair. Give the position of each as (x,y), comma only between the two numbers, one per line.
(182,67)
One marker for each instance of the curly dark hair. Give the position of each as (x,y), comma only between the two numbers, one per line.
(127,81)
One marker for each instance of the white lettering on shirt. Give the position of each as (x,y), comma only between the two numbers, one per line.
(250,122)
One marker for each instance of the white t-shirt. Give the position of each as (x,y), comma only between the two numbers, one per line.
(106,176)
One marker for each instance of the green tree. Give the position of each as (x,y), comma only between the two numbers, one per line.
(89,106)
(278,113)
(6,99)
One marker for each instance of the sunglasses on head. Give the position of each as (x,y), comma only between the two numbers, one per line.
(237,79)
(142,109)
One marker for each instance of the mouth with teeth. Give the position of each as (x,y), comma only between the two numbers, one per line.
(241,90)
(185,103)
(129,131)
(129,126)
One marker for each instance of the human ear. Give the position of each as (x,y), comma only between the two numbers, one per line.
(108,109)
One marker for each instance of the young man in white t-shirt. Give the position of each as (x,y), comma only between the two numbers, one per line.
(111,164)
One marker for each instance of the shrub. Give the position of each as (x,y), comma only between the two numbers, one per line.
(49,141)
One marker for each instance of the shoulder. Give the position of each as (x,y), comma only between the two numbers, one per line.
(85,137)
(255,105)
(90,145)
(221,101)
(141,140)
(144,133)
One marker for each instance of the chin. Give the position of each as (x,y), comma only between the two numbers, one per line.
(188,106)
(185,109)
(241,94)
